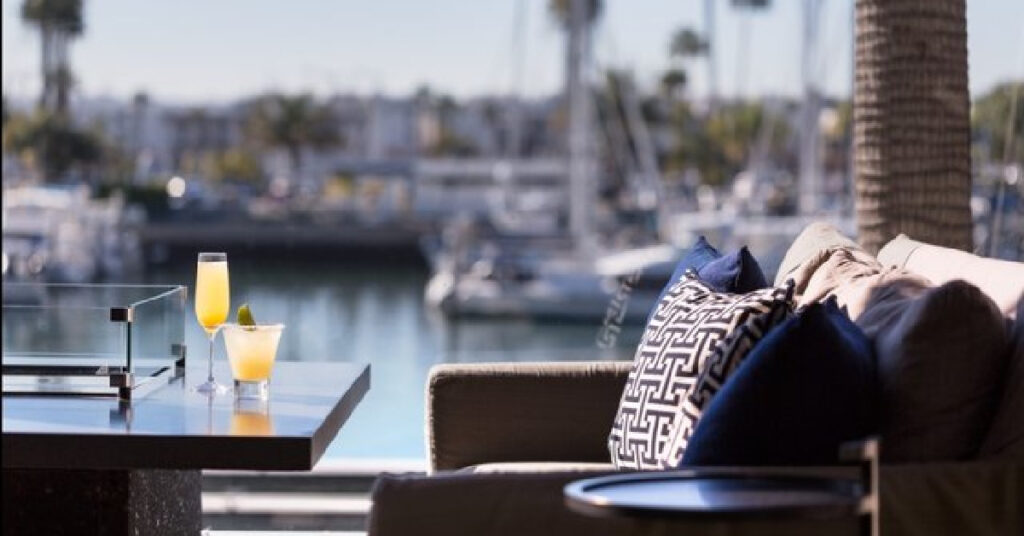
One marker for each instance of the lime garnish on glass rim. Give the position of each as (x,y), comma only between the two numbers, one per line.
(245,316)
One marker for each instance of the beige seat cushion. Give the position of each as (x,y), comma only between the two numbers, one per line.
(941,356)
(1001,280)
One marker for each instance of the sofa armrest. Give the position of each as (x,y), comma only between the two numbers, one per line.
(500,412)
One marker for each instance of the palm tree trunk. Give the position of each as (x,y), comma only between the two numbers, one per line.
(46,64)
(62,84)
(295,161)
(912,123)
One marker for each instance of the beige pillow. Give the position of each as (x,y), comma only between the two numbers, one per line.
(848,273)
(814,239)
(1001,280)
(941,356)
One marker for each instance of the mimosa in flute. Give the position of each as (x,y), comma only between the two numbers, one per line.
(213,304)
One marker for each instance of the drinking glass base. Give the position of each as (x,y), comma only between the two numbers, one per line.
(258,389)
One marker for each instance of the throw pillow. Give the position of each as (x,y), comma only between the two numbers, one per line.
(1001,280)
(699,255)
(691,328)
(736,272)
(1005,438)
(805,389)
(941,355)
(814,238)
(848,274)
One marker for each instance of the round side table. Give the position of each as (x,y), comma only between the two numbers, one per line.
(731,495)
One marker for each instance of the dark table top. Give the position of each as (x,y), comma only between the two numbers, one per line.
(715,495)
(177,428)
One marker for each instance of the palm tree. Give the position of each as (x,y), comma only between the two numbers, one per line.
(912,122)
(672,81)
(49,144)
(58,21)
(292,123)
(560,10)
(687,43)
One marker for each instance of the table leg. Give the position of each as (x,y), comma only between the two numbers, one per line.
(121,503)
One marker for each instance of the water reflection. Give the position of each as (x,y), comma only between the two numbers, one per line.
(251,417)
(375,314)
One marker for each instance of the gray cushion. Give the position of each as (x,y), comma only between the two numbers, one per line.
(941,355)
(1005,439)
(539,467)
(916,500)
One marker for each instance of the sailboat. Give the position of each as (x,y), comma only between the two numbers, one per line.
(566,275)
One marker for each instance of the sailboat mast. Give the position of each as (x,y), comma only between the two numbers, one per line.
(712,65)
(581,164)
(810,108)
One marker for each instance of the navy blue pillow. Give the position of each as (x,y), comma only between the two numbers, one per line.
(804,389)
(699,256)
(736,272)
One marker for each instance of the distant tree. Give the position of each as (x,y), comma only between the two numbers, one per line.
(49,144)
(687,43)
(448,141)
(58,21)
(991,117)
(672,81)
(292,123)
(721,146)
(684,45)
(236,164)
(912,123)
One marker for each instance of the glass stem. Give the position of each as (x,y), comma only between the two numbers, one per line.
(210,375)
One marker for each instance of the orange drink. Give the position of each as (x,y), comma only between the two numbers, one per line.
(251,353)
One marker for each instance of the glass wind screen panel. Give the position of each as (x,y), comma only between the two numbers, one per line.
(70,325)
(60,329)
(158,331)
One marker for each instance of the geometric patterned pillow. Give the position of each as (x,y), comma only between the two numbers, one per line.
(694,339)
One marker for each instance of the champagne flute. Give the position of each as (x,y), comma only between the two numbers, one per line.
(213,303)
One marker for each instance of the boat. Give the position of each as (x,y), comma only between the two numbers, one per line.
(504,266)
(60,234)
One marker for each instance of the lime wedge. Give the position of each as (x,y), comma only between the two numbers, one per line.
(245,316)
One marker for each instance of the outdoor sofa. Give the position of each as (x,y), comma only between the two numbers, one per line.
(504,439)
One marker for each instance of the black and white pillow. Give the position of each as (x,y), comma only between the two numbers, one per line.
(693,341)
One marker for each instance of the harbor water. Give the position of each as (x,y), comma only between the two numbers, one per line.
(375,313)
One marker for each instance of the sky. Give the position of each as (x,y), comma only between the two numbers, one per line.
(192,51)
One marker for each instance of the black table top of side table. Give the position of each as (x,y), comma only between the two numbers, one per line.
(175,427)
(715,496)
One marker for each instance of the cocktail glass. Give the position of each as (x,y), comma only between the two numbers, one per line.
(213,302)
(251,353)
